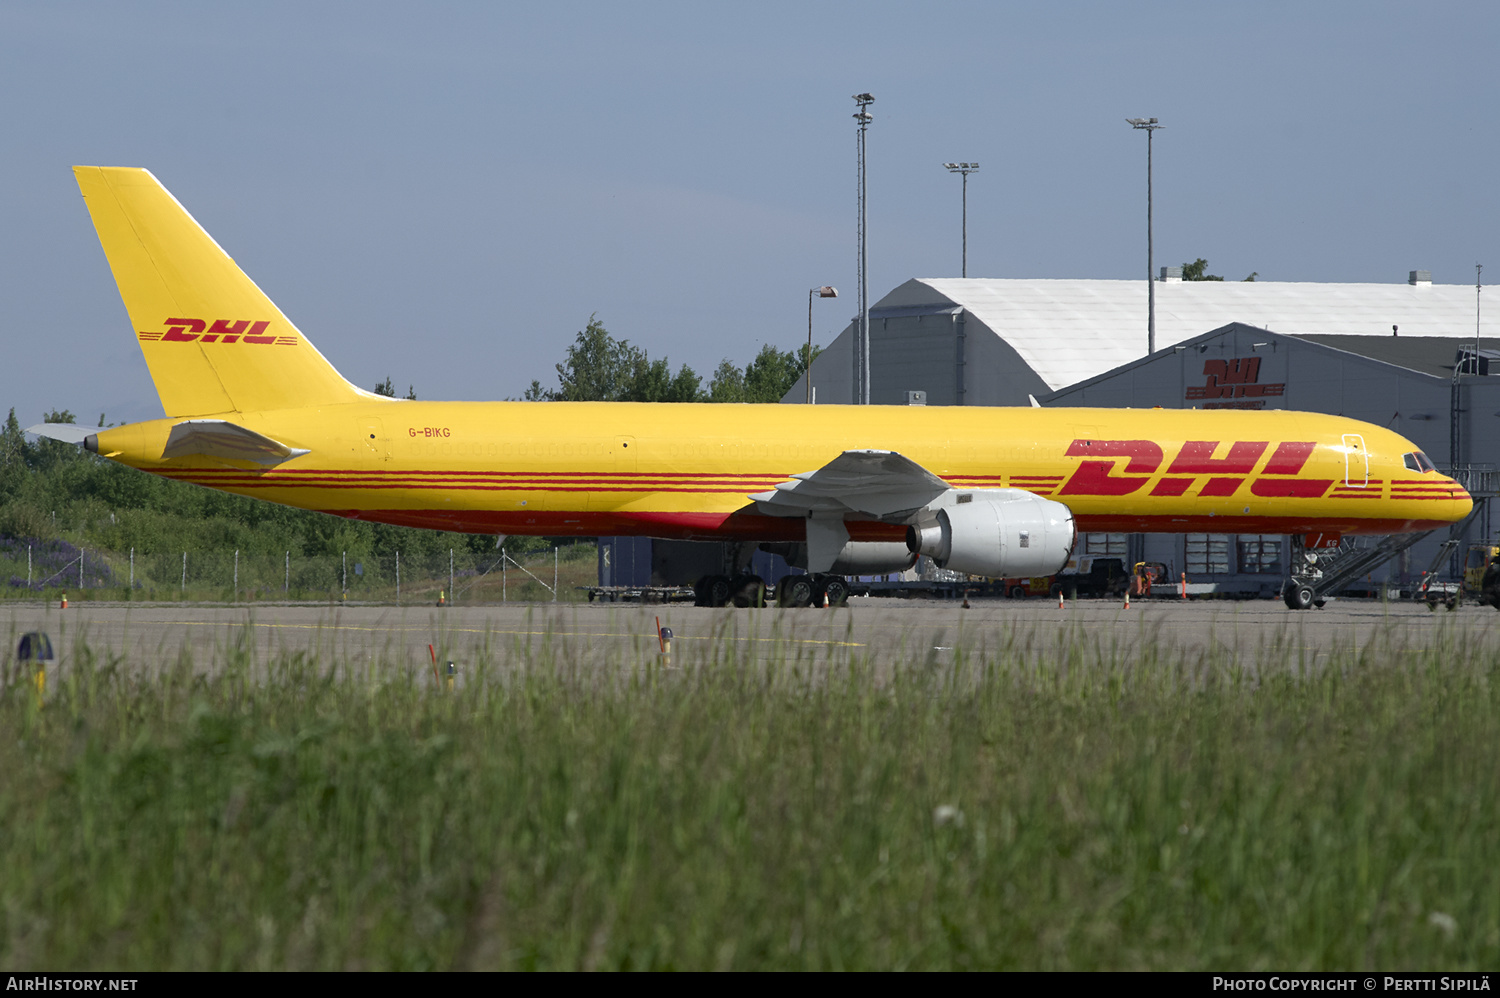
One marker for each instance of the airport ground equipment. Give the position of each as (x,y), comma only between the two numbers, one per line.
(1324,573)
(35,656)
(1146,574)
(1434,590)
(639,594)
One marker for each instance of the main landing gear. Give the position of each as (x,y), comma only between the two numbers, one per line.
(750,590)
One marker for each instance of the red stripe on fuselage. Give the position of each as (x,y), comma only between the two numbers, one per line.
(740,526)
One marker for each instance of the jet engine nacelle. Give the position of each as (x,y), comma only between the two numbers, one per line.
(873,558)
(1000,533)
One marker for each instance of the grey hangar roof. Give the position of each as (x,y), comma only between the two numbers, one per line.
(982,341)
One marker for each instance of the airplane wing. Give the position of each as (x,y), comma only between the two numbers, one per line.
(878,483)
(221,438)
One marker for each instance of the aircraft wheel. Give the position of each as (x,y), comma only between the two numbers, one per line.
(1297,596)
(794,590)
(834,587)
(711,590)
(748,590)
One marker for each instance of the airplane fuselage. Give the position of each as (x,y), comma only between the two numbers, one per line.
(687,470)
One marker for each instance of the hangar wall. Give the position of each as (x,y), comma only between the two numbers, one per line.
(1240,366)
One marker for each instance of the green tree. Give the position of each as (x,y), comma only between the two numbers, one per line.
(1197,271)
(767,378)
(386,388)
(772,373)
(600,368)
(728,384)
(15,456)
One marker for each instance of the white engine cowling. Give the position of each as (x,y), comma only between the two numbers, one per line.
(1001,533)
(873,558)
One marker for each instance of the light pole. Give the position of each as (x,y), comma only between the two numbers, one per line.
(1148,125)
(965,169)
(862,334)
(824,292)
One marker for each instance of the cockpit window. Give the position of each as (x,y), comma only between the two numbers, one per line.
(1417,461)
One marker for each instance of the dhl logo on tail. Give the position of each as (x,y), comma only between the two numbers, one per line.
(222,331)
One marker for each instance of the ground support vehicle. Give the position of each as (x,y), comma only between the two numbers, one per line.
(1480,581)
(1147,574)
(1092,576)
(638,594)
(1039,585)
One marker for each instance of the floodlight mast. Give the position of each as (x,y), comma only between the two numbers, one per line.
(862,332)
(965,169)
(1148,125)
(825,291)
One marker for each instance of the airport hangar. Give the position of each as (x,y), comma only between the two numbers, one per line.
(1369,351)
(1381,353)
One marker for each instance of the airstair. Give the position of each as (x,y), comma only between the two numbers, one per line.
(1323,573)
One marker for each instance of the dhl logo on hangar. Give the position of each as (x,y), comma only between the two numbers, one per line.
(1095,476)
(1233,379)
(221,331)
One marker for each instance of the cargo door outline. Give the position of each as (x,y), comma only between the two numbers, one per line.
(377,444)
(1356,462)
(619,477)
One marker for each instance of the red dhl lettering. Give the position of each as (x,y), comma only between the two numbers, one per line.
(1095,476)
(221,331)
(1197,458)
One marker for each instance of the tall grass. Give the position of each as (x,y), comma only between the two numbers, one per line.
(1038,803)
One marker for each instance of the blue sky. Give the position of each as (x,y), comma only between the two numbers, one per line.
(446,192)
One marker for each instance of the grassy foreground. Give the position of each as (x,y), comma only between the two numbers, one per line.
(1044,803)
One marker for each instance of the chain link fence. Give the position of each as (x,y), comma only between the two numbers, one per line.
(51,569)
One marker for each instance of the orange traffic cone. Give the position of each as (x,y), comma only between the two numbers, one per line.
(442,598)
(1127,599)
(64,605)
(1060,604)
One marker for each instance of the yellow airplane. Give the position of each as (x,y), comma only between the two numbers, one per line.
(253,408)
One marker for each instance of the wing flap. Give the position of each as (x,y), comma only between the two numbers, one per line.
(878,483)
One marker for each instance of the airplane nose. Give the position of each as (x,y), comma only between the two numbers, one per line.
(1458,496)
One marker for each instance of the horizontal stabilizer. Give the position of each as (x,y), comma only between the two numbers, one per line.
(221,438)
(68,433)
(878,483)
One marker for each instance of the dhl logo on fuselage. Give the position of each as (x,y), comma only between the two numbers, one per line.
(221,331)
(1096,476)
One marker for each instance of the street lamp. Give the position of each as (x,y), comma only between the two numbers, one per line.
(862,334)
(824,292)
(965,169)
(1148,125)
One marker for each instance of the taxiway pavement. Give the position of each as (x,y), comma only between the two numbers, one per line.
(882,631)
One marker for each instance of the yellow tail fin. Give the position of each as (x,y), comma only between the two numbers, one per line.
(212,339)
